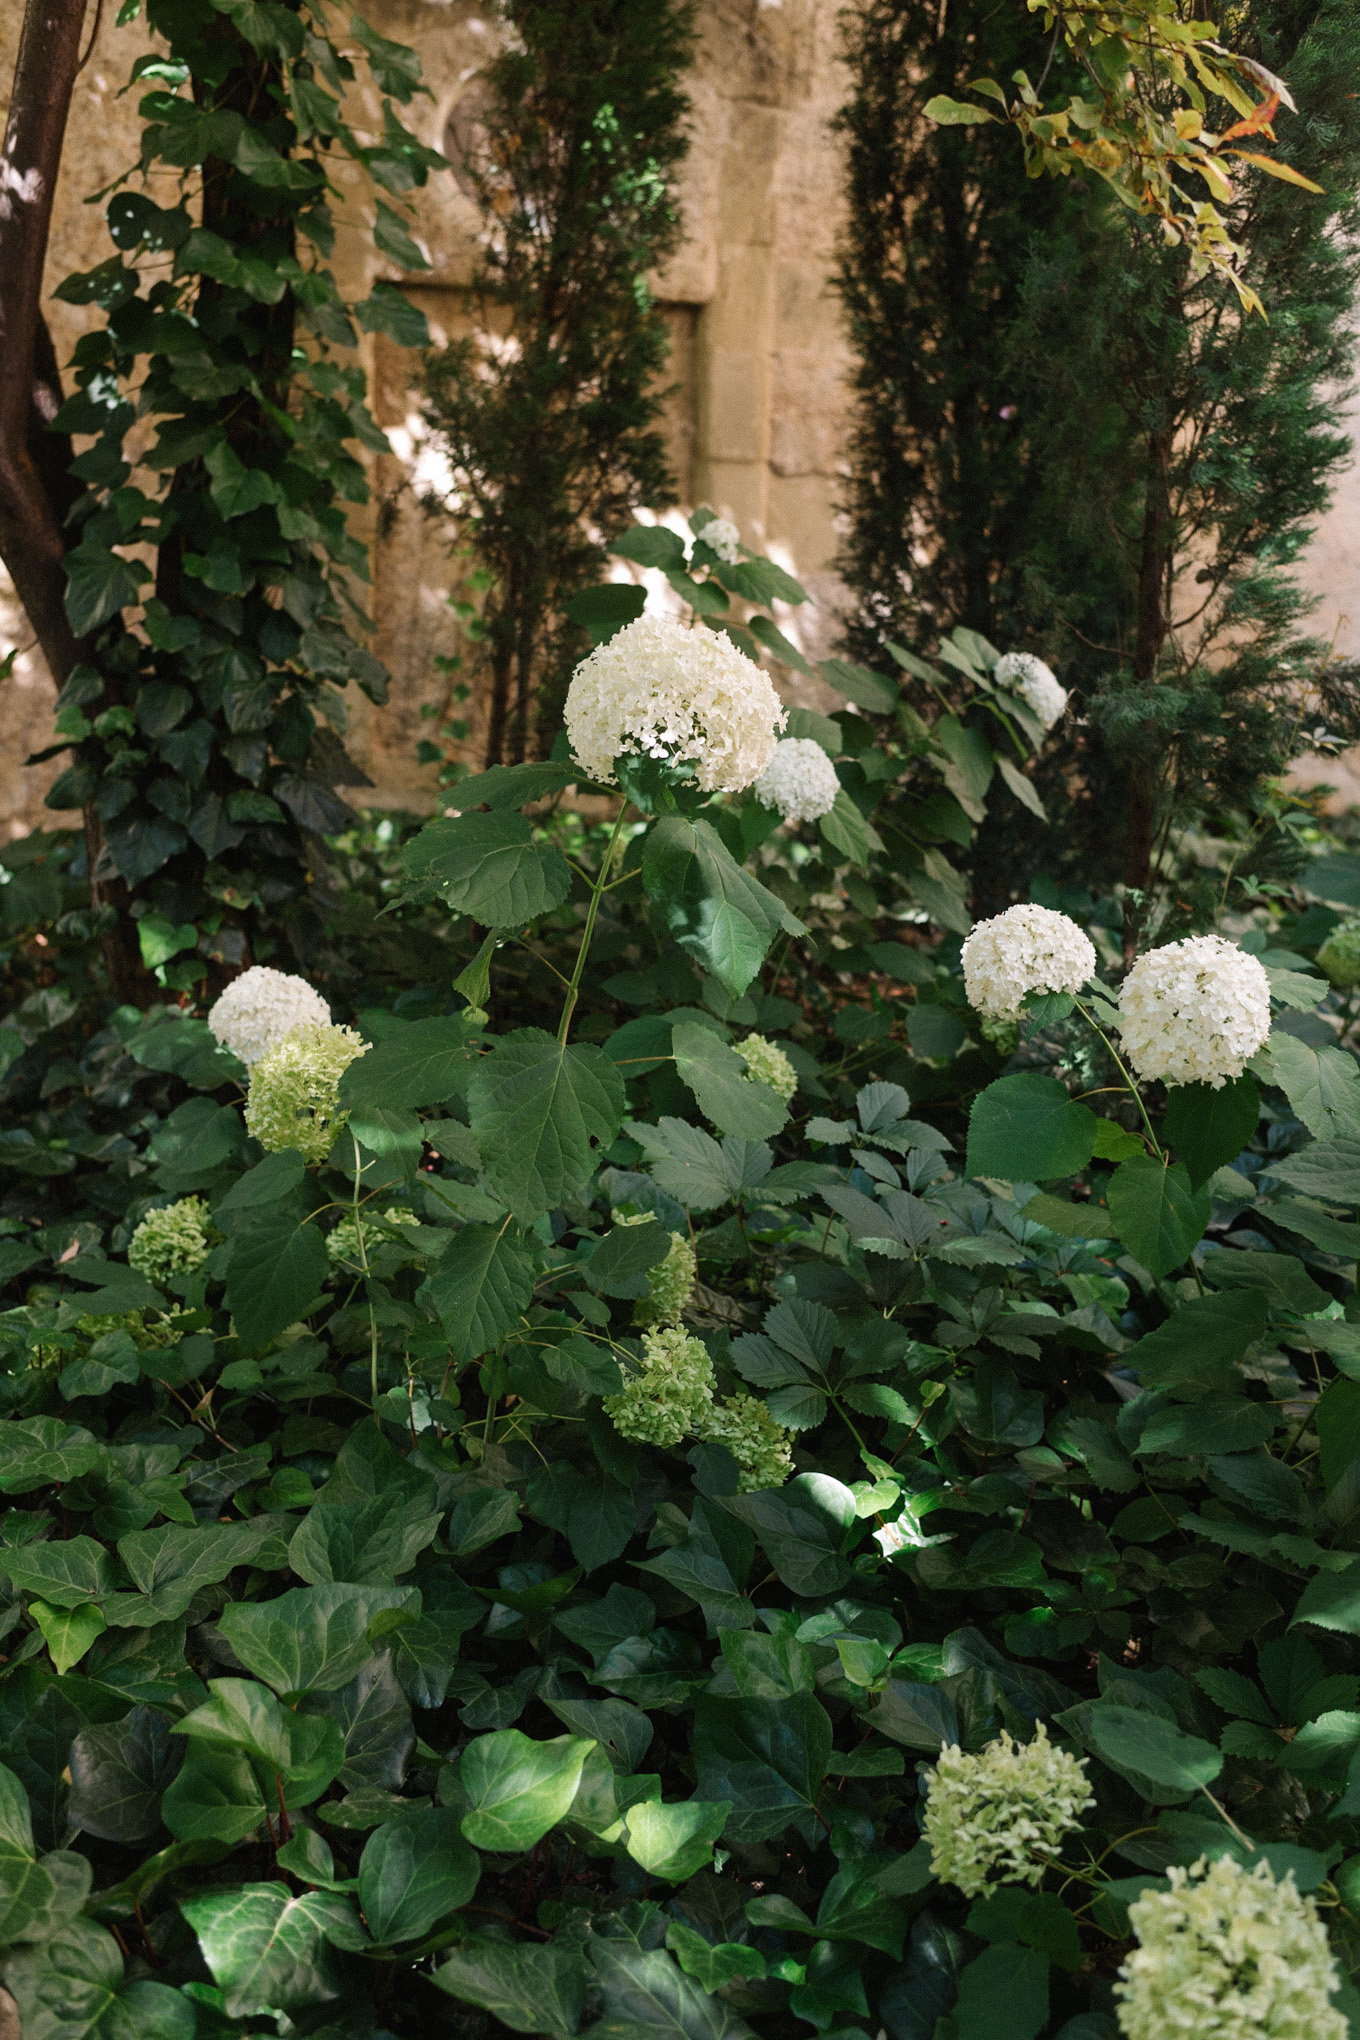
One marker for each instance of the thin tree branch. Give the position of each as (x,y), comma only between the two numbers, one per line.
(31,542)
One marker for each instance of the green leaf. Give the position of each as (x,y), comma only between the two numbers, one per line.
(801,1528)
(71,1988)
(99,584)
(274,1277)
(217,1796)
(1281,1278)
(650,545)
(481,1287)
(774,640)
(858,684)
(69,1632)
(487,866)
(313,1639)
(1322,1085)
(969,767)
(1003,1992)
(1332,1599)
(618,1266)
(1025,1128)
(726,1094)
(387,310)
(529,1989)
(119,1769)
(675,1841)
(768,1757)
(305,1751)
(1329,1169)
(413,1873)
(479,1518)
(422,1065)
(517,1788)
(1155,1213)
(365,1543)
(1210,1128)
(391,238)
(646,1997)
(1134,1740)
(716,911)
(538,1109)
(1074,1221)
(267,1185)
(848,833)
(1201,1342)
(712,1964)
(947,112)
(604,612)
(170,1565)
(67,1573)
(269,1951)
(512,786)
(1216,1424)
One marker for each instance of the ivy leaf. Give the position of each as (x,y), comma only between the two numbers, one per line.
(676,1841)
(529,1989)
(391,237)
(538,1110)
(67,1573)
(482,1286)
(646,1993)
(119,1769)
(1026,1129)
(99,585)
(767,1757)
(305,1751)
(387,310)
(413,1873)
(313,1639)
(517,1788)
(274,1276)
(269,1951)
(71,1988)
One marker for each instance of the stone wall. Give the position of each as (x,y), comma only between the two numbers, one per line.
(756,420)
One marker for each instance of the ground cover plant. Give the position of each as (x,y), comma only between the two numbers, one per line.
(693,1479)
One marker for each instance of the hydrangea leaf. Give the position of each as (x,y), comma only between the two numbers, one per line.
(538,1110)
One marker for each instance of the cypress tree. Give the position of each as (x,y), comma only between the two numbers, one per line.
(549,411)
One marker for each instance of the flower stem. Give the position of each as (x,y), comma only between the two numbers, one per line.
(1131,1086)
(587,933)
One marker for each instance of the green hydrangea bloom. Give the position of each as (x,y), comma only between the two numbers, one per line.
(342,1244)
(1339,955)
(999,1815)
(762,1448)
(670,1395)
(767,1064)
(294,1097)
(173,1240)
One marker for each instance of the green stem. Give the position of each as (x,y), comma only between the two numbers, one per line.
(1132,1087)
(587,933)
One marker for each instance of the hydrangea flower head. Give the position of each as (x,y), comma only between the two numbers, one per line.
(721,536)
(342,1242)
(669,1397)
(688,696)
(800,780)
(1035,683)
(1339,955)
(173,1240)
(670,1285)
(766,1063)
(1026,949)
(258,1008)
(294,1097)
(762,1448)
(1230,1954)
(1194,1012)
(1000,1816)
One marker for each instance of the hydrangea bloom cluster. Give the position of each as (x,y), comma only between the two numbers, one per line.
(1339,955)
(661,691)
(762,1448)
(172,1241)
(671,1394)
(1228,1953)
(294,1097)
(1194,1012)
(342,1242)
(721,536)
(766,1063)
(1035,683)
(1026,949)
(670,1285)
(260,1007)
(999,1817)
(800,780)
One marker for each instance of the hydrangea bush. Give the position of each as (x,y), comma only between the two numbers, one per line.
(669,1483)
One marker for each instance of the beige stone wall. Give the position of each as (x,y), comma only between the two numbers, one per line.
(756,423)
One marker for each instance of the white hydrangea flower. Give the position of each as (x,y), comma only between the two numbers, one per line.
(721,536)
(258,1008)
(1026,949)
(294,1099)
(999,1817)
(766,1063)
(671,1394)
(1035,683)
(762,1448)
(800,780)
(172,1240)
(1195,1012)
(662,691)
(1229,1954)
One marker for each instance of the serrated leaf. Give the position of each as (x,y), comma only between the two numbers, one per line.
(726,1093)
(487,866)
(422,1065)
(275,1275)
(1209,1128)
(538,1110)
(1322,1085)
(481,1287)
(1155,1213)
(1026,1128)
(714,909)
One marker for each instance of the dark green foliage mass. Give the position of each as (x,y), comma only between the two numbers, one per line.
(548,412)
